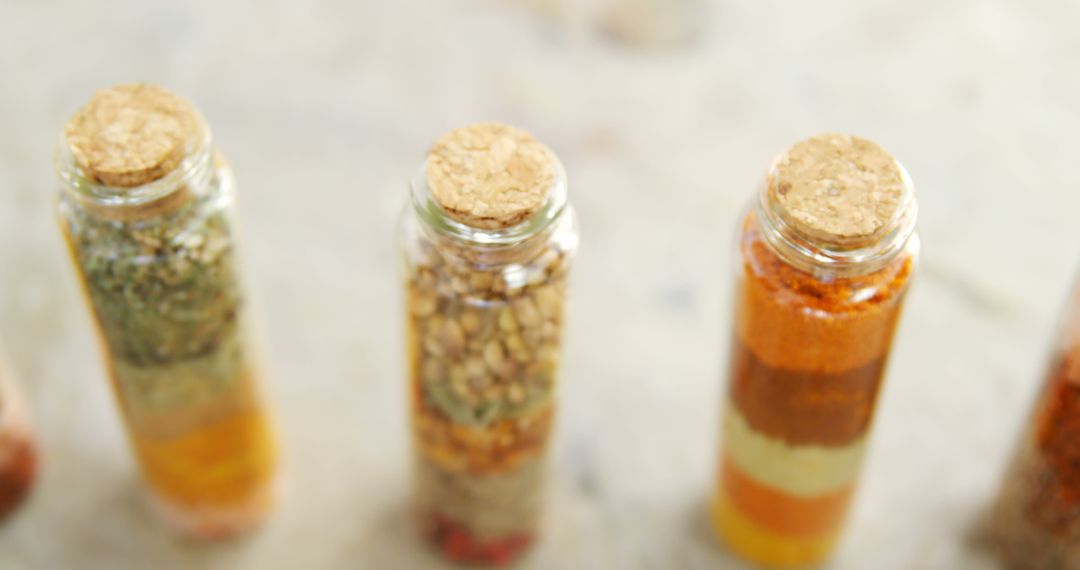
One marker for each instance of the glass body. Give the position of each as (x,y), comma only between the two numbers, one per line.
(18,452)
(484,332)
(813,329)
(158,267)
(1035,522)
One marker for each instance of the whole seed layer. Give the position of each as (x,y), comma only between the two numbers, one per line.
(486,341)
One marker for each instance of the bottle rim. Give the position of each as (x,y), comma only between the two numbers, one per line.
(196,165)
(438,219)
(838,258)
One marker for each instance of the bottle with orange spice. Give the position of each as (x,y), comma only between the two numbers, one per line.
(826,253)
(18,451)
(1035,521)
(488,241)
(145,206)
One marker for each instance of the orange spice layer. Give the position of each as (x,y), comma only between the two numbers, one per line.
(201,460)
(17,469)
(496,448)
(758,545)
(782,513)
(791,320)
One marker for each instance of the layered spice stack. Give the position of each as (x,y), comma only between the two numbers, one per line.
(1035,522)
(144,205)
(826,253)
(488,242)
(18,451)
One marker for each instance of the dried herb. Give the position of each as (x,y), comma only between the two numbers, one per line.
(164,291)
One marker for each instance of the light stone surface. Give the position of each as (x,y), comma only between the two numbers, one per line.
(326,109)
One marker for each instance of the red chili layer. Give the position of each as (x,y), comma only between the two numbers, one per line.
(780,512)
(17,476)
(459,546)
(804,408)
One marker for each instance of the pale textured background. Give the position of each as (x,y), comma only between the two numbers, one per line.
(325,109)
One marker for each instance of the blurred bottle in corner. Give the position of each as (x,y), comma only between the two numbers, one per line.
(651,24)
(1034,524)
(642,24)
(18,451)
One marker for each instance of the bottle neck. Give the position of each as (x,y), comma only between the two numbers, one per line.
(185,184)
(834,258)
(488,246)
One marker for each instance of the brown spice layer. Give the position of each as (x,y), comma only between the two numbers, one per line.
(792,320)
(804,408)
(17,474)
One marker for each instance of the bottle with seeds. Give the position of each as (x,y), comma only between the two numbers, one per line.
(488,241)
(826,254)
(18,451)
(1035,522)
(144,205)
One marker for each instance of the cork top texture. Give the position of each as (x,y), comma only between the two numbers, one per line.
(130,135)
(838,188)
(489,175)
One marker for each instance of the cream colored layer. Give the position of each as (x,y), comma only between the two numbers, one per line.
(802,471)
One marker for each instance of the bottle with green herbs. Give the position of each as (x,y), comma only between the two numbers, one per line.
(145,204)
(18,451)
(488,242)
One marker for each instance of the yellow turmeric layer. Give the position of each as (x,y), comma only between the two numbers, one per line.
(229,463)
(753,543)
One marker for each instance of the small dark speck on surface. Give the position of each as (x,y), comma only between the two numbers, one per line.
(583,468)
(678,297)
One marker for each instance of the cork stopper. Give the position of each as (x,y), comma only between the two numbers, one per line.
(130,135)
(489,175)
(838,188)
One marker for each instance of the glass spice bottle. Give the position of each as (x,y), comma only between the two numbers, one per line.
(1035,521)
(488,242)
(826,254)
(144,205)
(18,451)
